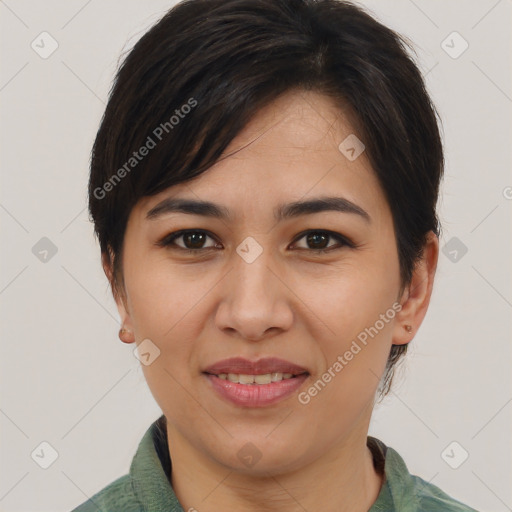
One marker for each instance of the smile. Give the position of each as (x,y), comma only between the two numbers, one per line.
(253,394)
(266,378)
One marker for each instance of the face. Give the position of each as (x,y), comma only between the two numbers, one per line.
(302,288)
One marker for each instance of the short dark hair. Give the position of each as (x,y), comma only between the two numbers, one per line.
(199,75)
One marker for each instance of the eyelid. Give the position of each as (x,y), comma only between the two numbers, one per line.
(343,240)
(168,239)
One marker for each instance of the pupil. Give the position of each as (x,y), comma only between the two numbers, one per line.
(196,243)
(312,237)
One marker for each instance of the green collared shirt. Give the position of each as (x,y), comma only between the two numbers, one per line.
(147,487)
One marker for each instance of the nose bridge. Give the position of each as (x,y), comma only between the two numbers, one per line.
(251,274)
(254,300)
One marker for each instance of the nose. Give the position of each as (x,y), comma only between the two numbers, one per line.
(255,301)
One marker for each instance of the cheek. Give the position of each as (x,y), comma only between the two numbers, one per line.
(351,297)
(164,298)
(355,314)
(166,307)
(354,361)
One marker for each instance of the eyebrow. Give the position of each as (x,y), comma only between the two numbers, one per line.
(282,212)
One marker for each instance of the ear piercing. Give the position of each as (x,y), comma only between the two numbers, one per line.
(125,335)
(408,328)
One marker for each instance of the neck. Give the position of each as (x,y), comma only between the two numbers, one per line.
(344,480)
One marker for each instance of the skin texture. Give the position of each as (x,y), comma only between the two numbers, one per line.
(290,303)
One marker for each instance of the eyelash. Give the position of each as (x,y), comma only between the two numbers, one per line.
(168,240)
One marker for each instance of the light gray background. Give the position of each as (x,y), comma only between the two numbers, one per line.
(66,378)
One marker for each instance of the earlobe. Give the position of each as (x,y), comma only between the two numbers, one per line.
(126,334)
(416,298)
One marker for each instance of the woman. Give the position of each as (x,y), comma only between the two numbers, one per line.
(263,186)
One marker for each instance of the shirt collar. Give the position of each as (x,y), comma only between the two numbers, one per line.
(149,479)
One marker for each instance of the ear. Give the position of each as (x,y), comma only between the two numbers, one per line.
(416,297)
(119,297)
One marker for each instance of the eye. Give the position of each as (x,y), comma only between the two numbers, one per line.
(193,240)
(318,240)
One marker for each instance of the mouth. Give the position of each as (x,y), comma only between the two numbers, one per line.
(265,378)
(263,371)
(255,384)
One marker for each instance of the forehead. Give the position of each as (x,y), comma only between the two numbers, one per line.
(290,149)
(297,120)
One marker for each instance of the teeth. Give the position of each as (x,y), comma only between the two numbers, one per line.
(243,379)
(262,379)
(266,378)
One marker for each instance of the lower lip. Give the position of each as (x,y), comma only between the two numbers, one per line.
(256,395)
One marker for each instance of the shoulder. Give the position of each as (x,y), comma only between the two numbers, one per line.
(431,498)
(118,496)
(404,492)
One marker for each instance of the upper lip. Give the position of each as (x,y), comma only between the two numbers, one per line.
(239,365)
